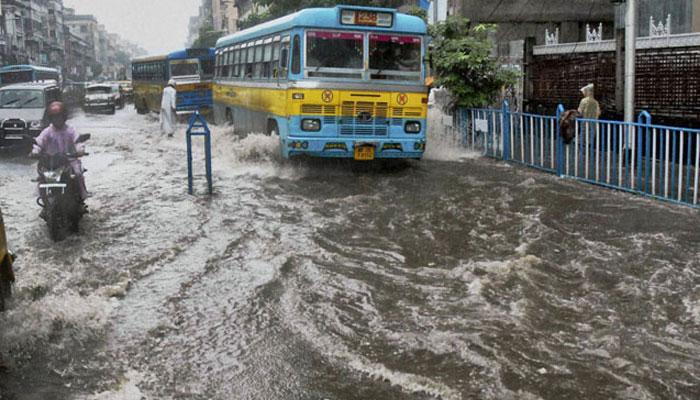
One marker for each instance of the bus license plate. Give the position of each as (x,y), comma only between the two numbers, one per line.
(364,153)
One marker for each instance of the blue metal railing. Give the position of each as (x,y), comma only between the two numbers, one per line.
(653,160)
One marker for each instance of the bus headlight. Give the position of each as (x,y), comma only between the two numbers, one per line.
(412,127)
(313,125)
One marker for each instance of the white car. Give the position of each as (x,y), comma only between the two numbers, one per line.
(103,97)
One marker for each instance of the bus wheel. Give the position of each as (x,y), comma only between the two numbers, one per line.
(272,129)
(229,117)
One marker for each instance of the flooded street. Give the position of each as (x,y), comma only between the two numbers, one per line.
(457,277)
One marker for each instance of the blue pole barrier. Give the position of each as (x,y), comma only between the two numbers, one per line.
(645,119)
(560,142)
(207,156)
(190,177)
(198,127)
(506,130)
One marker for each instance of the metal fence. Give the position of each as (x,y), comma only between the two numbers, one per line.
(653,160)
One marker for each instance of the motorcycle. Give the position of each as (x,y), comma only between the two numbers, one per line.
(59,193)
(7,275)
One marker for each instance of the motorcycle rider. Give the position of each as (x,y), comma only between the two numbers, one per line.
(60,138)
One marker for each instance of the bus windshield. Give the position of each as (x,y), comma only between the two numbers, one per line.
(334,54)
(16,77)
(184,68)
(21,98)
(394,57)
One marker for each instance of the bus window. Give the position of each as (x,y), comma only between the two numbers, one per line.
(258,61)
(335,51)
(234,62)
(284,60)
(226,66)
(296,55)
(237,62)
(394,57)
(249,61)
(267,61)
(207,68)
(274,64)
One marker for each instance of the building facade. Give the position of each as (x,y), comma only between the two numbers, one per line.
(221,15)
(44,32)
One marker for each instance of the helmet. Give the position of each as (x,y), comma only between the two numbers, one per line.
(56,108)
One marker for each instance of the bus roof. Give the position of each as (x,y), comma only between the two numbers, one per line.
(179,55)
(324,18)
(25,67)
(149,59)
(192,53)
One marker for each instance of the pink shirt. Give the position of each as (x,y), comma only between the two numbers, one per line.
(55,141)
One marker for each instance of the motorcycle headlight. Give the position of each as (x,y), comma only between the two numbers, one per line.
(52,176)
(35,124)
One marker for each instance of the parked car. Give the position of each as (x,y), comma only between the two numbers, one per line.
(127,91)
(23,111)
(7,276)
(103,97)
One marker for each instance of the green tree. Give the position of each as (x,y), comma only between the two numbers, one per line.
(254,19)
(417,12)
(207,36)
(463,62)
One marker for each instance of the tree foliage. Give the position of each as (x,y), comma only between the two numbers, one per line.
(464,64)
(418,12)
(207,36)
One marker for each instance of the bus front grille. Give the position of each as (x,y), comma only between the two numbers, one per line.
(364,118)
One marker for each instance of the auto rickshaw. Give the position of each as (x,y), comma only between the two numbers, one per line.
(7,276)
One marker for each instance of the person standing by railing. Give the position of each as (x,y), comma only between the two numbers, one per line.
(589,107)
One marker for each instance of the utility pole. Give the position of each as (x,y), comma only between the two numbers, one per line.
(630,58)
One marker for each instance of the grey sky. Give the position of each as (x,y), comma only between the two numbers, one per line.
(158,26)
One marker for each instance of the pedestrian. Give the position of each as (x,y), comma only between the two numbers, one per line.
(589,107)
(168,118)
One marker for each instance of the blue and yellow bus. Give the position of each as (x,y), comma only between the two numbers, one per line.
(28,73)
(192,69)
(332,82)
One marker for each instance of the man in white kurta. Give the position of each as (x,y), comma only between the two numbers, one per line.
(168,118)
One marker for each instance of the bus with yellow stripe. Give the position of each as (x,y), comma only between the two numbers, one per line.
(341,82)
(192,70)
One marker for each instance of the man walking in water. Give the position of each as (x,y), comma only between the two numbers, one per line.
(167,109)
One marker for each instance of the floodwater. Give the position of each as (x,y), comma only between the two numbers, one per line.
(457,277)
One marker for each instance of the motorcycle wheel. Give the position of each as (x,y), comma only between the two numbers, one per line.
(56,219)
(5,284)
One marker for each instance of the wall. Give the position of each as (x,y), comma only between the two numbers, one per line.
(681,14)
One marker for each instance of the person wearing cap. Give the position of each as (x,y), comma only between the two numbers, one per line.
(168,117)
(60,138)
(589,107)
